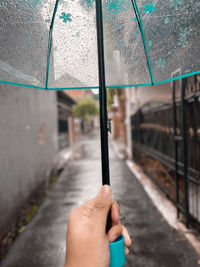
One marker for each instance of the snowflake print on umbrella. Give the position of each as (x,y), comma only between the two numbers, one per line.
(116,6)
(150,43)
(160,63)
(136,63)
(65,17)
(87,3)
(135,34)
(175,4)
(3,3)
(183,37)
(149,8)
(167,20)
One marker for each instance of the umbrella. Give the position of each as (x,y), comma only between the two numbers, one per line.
(44,42)
(54,45)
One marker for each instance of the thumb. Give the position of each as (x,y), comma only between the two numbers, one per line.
(102,206)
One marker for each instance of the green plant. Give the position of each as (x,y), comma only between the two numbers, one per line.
(31,213)
(85,109)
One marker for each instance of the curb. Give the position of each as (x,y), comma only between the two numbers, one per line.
(165,207)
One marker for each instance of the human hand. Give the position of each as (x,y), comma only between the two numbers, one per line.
(87,242)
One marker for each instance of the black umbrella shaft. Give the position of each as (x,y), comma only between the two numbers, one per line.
(103,104)
(102,96)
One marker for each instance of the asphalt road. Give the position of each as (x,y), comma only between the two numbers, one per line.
(155,244)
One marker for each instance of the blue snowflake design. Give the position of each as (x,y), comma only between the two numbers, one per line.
(36,2)
(119,44)
(3,3)
(137,33)
(26,39)
(62,2)
(134,35)
(30,18)
(150,43)
(160,63)
(149,8)
(117,6)
(87,3)
(167,20)
(183,37)
(118,25)
(175,4)
(136,62)
(65,17)
(38,64)
(47,20)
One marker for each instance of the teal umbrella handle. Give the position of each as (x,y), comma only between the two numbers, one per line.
(117,253)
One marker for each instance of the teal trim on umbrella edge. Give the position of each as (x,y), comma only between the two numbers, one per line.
(96,87)
(23,85)
(178,77)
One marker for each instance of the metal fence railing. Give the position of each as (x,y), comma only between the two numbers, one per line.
(170,133)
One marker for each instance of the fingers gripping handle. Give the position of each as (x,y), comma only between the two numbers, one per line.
(117,253)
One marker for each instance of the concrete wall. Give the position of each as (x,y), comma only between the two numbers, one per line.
(28,144)
(138,96)
(161,92)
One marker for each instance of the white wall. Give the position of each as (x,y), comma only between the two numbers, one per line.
(28,144)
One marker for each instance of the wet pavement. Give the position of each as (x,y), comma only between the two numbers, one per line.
(155,244)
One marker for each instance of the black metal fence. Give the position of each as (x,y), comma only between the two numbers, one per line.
(170,133)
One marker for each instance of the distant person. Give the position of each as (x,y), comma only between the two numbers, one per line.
(87,242)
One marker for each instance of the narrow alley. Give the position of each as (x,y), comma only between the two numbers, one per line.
(42,243)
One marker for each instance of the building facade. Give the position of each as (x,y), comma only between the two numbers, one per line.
(28,145)
(65,120)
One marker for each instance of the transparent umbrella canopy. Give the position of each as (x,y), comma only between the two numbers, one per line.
(70,44)
(49,44)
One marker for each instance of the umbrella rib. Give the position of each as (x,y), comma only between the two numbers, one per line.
(138,17)
(50,43)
